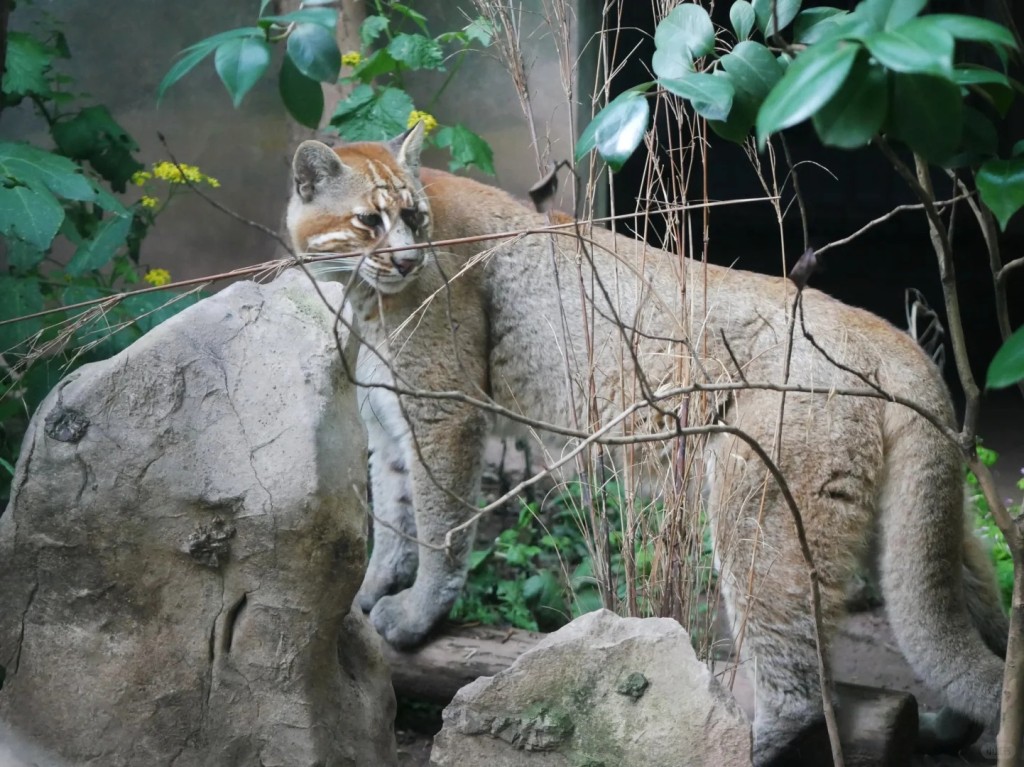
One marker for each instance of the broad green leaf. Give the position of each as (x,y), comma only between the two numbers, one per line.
(32,215)
(918,47)
(372,28)
(28,62)
(302,97)
(240,64)
(94,135)
(373,115)
(97,251)
(324,17)
(467,149)
(671,62)
(1007,367)
(189,58)
(742,17)
(22,256)
(990,84)
(617,130)
(19,296)
(150,309)
(926,113)
(416,51)
(1001,186)
(687,26)
(753,69)
(710,96)
(379,63)
(314,52)
(764,9)
(737,126)
(978,143)
(813,24)
(889,14)
(811,80)
(33,166)
(974,28)
(857,111)
(1018,148)
(481,31)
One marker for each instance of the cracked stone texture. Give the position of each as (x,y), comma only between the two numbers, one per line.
(603,691)
(183,544)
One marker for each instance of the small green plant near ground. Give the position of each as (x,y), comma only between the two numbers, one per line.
(73,225)
(539,573)
(987,529)
(395,41)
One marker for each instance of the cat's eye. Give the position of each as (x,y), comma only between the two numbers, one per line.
(371,220)
(412,218)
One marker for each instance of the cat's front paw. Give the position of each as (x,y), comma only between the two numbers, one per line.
(403,619)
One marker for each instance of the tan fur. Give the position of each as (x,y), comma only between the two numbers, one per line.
(505,329)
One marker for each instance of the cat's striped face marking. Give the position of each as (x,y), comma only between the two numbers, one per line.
(358,200)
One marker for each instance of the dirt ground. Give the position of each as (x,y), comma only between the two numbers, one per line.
(864,653)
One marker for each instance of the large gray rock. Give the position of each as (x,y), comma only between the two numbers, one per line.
(183,543)
(603,691)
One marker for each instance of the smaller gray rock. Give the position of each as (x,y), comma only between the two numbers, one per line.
(601,692)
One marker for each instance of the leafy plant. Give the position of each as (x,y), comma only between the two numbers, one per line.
(62,200)
(986,527)
(395,41)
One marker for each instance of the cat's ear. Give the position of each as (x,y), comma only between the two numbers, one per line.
(407,147)
(314,163)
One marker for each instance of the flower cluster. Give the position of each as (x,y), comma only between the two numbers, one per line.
(352,59)
(174,173)
(157,277)
(148,201)
(428,120)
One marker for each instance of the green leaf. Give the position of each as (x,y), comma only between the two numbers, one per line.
(1007,367)
(753,68)
(1001,186)
(978,143)
(314,52)
(372,28)
(36,167)
(150,309)
(95,136)
(811,80)
(97,251)
(974,28)
(669,63)
(710,96)
(191,56)
(240,64)
(857,111)
(324,17)
(302,97)
(416,51)
(889,14)
(28,62)
(414,16)
(481,31)
(380,63)
(1018,148)
(811,25)
(742,17)
(617,130)
(467,149)
(737,126)
(22,256)
(32,215)
(918,47)
(926,113)
(373,115)
(687,26)
(763,10)
(19,296)
(990,84)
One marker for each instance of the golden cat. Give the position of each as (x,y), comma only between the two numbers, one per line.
(504,329)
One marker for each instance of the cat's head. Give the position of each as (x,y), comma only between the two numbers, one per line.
(358,199)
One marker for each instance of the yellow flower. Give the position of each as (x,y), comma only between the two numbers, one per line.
(140,177)
(157,277)
(149,202)
(180,173)
(429,123)
(352,59)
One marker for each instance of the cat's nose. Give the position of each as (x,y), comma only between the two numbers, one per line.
(404,264)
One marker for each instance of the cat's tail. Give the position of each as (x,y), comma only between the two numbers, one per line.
(938,586)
